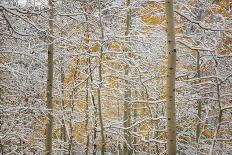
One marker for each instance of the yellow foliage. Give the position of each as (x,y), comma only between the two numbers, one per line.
(77,30)
(73,70)
(82,85)
(79,134)
(222,9)
(163,69)
(96,48)
(151,20)
(2,60)
(112,81)
(81,106)
(178,30)
(83,61)
(225,52)
(105,57)
(69,79)
(115,45)
(207,133)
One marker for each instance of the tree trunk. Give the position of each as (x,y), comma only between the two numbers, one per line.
(63,126)
(48,142)
(135,140)
(220,112)
(127,108)
(199,107)
(95,109)
(87,116)
(100,83)
(71,106)
(170,107)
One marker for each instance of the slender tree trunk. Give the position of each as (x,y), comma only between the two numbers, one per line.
(87,109)
(127,108)
(63,126)
(219,114)
(87,117)
(95,109)
(71,105)
(135,141)
(70,145)
(2,150)
(1,123)
(89,83)
(170,107)
(48,142)
(100,84)
(127,117)
(199,107)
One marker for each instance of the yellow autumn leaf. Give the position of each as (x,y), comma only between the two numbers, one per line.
(69,79)
(96,48)
(77,30)
(115,45)
(112,81)
(207,133)
(79,134)
(151,20)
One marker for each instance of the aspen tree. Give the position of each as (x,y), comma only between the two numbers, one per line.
(92,98)
(89,80)
(220,114)
(199,107)
(87,116)
(135,140)
(171,70)
(48,142)
(127,110)
(89,83)
(100,83)
(63,135)
(71,106)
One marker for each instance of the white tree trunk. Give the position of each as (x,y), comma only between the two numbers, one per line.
(170,107)
(127,109)
(48,142)
(100,84)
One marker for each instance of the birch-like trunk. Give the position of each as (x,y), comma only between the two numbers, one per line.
(170,107)
(135,139)
(87,116)
(48,141)
(71,107)
(100,83)
(220,114)
(63,135)
(127,109)
(199,107)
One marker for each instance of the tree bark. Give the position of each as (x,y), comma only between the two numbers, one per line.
(127,95)
(170,96)
(220,114)
(199,107)
(63,126)
(48,142)
(100,83)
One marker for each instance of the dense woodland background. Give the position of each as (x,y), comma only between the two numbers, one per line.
(109,76)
